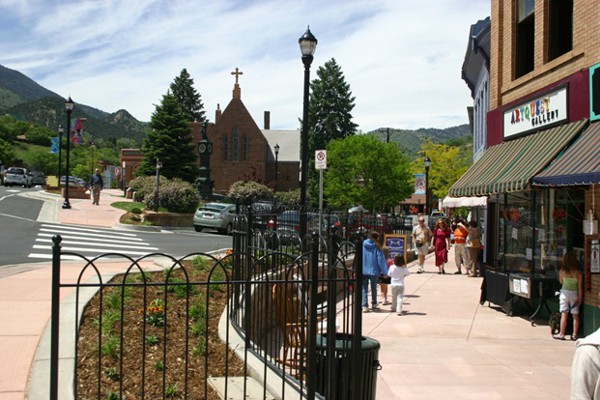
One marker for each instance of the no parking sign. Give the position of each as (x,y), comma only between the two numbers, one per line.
(321,159)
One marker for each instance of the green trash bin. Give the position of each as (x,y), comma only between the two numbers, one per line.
(341,367)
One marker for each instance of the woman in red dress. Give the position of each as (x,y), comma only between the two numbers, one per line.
(441,244)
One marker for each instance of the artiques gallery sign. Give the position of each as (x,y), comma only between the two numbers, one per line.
(533,115)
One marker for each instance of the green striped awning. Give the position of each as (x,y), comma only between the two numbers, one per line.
(578,165)
(510,166)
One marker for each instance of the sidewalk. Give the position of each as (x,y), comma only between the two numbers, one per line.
(446,345)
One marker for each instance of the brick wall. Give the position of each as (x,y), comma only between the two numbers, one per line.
(585,53)
(592,201)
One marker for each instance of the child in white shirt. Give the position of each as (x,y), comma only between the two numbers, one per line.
(397,272)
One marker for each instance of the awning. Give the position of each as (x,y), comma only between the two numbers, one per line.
(510,166)
(455,202)
(578,165)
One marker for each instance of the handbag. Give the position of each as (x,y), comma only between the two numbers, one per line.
(88,191)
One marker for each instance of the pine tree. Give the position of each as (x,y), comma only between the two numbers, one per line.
(170,141)
(329,114)
(189,99)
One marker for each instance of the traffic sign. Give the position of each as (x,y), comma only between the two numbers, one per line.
(321,159)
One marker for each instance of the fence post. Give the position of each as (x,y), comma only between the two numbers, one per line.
(55,317)
(357,321)
(311,384)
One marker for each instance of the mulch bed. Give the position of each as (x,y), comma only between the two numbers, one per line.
(159,370)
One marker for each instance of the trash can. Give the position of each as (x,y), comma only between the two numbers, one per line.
(340,374)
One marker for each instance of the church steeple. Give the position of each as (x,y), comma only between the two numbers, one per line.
(237,92)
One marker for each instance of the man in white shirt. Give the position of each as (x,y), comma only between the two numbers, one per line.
(421,236)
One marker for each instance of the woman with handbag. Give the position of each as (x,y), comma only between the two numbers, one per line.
(473,246)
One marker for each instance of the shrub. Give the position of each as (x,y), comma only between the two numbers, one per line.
(248,192)
(176,195)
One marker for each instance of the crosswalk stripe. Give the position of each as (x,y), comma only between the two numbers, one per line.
(90,243)
(93,238)
(77,229)
(88,250)
(45,256)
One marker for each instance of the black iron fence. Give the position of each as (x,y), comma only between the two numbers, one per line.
(260,317)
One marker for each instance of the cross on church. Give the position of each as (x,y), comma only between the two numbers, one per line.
(237,73)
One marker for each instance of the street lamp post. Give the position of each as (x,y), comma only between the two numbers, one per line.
(427,164)
(308,45)
(158,167)
(276,165)
(60,135)
(69,105)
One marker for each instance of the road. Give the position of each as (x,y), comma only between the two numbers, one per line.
(25,240)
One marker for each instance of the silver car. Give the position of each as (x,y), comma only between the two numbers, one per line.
(217,216)
(17,176)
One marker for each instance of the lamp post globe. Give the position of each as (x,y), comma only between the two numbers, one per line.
(60,135)
(276,148)
(69,105)
(308,45)
(427,164)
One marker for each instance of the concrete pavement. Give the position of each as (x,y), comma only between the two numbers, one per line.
(446,345)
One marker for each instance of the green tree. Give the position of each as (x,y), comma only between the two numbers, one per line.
(363,170)
(329,114)
(448,164)
(189,99)
(170,141)
(6,153)
(41,160)
(39,135)
(249,192)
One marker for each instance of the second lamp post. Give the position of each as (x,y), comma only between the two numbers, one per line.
(69,105)
(308,45)
(427,164)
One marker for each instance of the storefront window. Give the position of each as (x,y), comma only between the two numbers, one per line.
(537,227)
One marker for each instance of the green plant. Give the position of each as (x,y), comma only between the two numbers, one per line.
(200,262)
(155,313)
(113,396)
(111,373)
(110,347)
(199,349)
(197,311)
(152,340)
(172,390)
(159,366)
(198,327)
(109,318)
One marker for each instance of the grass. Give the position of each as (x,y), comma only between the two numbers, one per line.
(129,205)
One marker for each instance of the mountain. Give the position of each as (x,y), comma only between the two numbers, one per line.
(23,98)
(411,140)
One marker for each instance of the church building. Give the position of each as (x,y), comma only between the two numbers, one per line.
(243,151)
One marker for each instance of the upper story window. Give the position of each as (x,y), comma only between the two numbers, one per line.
(560,28)
(245,148)
(236,141)
(225,148)
(525,34)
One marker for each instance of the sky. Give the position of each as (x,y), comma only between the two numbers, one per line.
(401,58)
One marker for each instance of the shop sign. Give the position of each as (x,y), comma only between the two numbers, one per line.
(536,113)
(595,257)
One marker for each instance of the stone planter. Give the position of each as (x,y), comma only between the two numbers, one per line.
(75,193)
(167,219)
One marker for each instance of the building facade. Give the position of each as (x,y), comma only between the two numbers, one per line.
(541,168)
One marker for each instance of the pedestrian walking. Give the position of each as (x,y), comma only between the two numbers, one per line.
(585,370)
(96,184)
(421,236)
(473,247)
(384,281)
(397,273)
(461,257)
(373,266)
(571,294)
(441,244)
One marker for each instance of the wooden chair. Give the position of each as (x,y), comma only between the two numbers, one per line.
(292,322)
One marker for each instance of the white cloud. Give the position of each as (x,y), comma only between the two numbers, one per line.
(402,58)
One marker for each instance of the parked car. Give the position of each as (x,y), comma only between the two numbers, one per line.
(37,178)
(288,226)
(73,181)
(17,176)
(217,216)
(435,216)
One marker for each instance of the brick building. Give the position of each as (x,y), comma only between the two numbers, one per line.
(541,168)
(243,151)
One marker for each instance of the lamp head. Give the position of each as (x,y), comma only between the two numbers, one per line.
(427,162)
(61,130)
(308,43)
(276,148)
(69,104)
